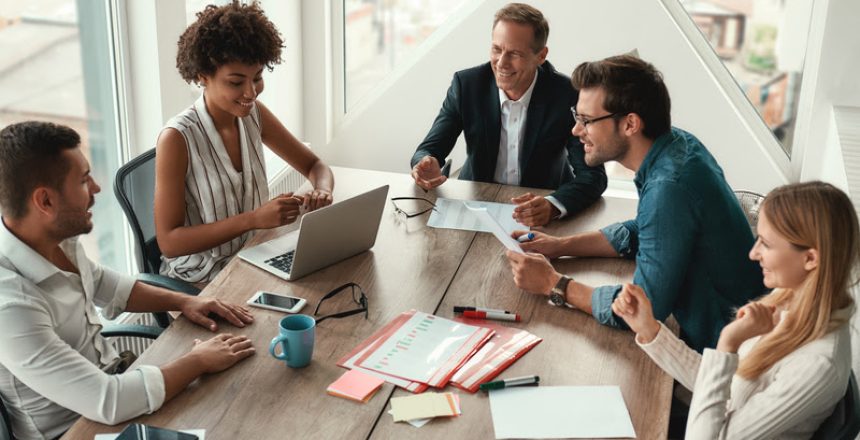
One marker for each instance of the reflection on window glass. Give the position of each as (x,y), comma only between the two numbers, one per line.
(56,67)
(762,43)
(378,34)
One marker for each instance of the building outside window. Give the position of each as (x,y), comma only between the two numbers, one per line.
(379,34)
(57,66)
(763,45)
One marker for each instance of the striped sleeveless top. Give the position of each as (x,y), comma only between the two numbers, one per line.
(214,190)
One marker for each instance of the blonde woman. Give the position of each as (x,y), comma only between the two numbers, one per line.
(783,364)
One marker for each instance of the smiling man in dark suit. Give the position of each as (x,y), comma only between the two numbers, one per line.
(516,115)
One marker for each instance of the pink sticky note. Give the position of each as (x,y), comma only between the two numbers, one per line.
(355,385)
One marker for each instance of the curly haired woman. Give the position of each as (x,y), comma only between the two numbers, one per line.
(211,188)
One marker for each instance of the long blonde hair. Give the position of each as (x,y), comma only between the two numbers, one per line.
(810,215)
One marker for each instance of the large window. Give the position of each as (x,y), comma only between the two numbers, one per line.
(763,45)
(378,34)
(57,65)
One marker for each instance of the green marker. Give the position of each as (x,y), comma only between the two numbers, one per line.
(507,383)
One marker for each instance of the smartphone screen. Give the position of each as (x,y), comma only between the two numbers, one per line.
(282,302)
(137,431)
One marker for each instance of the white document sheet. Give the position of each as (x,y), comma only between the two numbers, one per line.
(453,214)
(490,223)
(560,412)
(420,347)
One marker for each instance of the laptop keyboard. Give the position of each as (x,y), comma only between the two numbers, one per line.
(283,262)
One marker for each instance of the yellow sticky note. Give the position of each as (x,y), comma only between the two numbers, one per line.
(422,406)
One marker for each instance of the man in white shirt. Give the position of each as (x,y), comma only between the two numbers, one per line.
(54,364)
(515,114)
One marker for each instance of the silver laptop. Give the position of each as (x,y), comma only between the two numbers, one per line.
(324,237)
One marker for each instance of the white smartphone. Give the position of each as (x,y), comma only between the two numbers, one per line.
(277,301)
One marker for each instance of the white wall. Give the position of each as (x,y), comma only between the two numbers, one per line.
(834,83)
(383,134)
(152,32)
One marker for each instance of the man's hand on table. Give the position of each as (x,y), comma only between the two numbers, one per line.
(532,210)
(197,309)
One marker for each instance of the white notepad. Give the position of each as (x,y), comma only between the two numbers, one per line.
(560,412)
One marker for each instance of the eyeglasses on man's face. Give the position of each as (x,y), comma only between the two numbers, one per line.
(429,206)
(585,121)
(358,297)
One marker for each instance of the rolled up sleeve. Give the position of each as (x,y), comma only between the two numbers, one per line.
(41,360)
(112,290)
(623,237)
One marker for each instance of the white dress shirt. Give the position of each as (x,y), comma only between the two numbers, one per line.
(513,129)
(53,359)
(788,401)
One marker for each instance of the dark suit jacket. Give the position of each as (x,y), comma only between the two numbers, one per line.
(550,157)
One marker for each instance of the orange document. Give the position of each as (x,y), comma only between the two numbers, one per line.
(355,385)
(506,346)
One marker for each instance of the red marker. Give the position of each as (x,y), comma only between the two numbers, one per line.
(492,315)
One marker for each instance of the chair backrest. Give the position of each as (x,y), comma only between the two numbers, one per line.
(844,422)
(134,188)
(750,203)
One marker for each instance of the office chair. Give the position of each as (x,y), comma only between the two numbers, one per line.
(5,423)
(844,422)
(109,331)
(750,203)
(134,188)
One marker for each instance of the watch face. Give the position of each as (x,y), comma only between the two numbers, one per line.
(556,299)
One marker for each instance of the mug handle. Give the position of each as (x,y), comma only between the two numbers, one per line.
(275,341)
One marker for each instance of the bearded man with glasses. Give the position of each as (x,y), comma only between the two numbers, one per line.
(690,237)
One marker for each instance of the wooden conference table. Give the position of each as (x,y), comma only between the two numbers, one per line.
(412,266)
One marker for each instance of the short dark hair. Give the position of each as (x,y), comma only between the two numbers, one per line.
(525,14)
(631,86)
(224,34)
(30,157)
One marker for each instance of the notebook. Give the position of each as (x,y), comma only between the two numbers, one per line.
(355,385)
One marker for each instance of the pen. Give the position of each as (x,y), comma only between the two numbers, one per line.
(492,315)
(512,382)
(526,237)
(461,309)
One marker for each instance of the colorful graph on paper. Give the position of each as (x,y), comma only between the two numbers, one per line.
(420,347)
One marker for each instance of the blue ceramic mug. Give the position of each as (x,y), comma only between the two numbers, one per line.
(296,340)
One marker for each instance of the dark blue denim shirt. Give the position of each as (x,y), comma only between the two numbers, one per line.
(690,239)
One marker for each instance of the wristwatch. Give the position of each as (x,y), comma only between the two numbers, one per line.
(558,294)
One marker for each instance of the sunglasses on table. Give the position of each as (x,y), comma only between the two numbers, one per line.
(403,212)
(358,296)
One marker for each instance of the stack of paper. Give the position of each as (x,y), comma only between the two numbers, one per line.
(417,350)
(421,408)
(355,385)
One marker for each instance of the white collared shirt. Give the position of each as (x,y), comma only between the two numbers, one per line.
(52,356)
(513,129)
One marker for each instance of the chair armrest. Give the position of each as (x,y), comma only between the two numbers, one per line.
(133,330)
(168,283)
